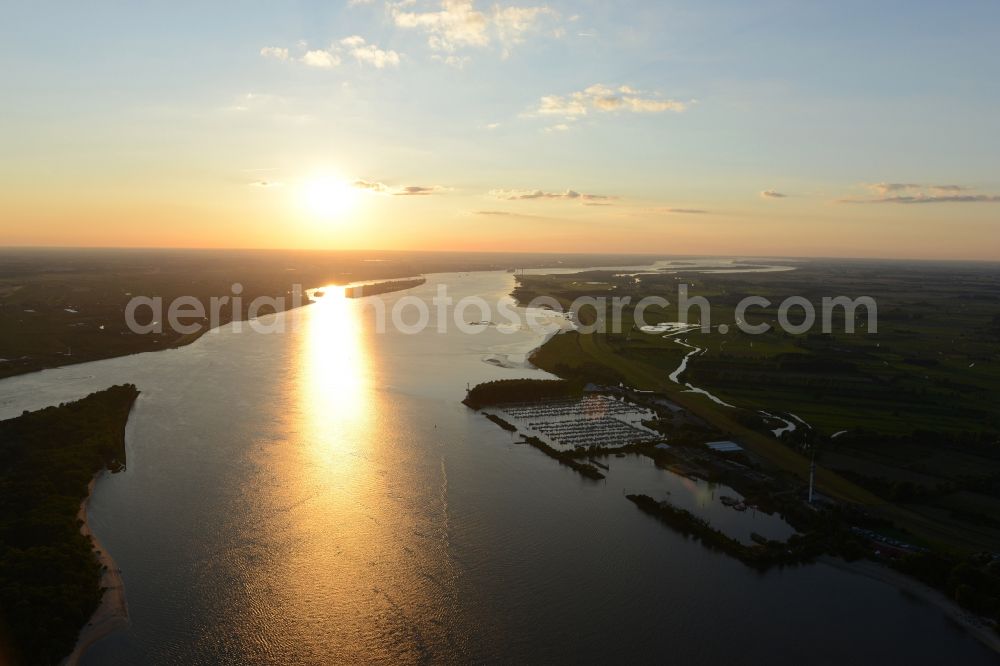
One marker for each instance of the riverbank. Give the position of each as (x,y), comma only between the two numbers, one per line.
(112,613)
(762,555)
(971,622)
(55,575)
(126,342)
(106,335)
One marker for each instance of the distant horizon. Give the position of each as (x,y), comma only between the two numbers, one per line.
(583,253)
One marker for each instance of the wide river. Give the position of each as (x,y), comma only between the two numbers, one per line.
(322,496)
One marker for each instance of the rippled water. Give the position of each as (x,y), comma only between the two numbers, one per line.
(321,496)
(639,474)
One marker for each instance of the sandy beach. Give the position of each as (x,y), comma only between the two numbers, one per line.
(968,620)
(112,613)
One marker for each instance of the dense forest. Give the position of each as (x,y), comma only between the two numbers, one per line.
(49,575)
(505,391)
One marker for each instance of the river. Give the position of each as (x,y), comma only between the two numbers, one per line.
(321,496)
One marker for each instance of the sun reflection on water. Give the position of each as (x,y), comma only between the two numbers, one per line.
(363,568)
(335,368)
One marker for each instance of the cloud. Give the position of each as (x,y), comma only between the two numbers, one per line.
(889,188)
(355,46)
(885,188)
(563,106)
(916,193)
(370,54)
(353,40)
(605,99)
(266,183)
(568,195)
(367,185)
(404,191)
(509,214)
(686,211)
(928,198)
(418,191)
(276,52)
(321,59)
(459,24)
(771,194)
(513,23)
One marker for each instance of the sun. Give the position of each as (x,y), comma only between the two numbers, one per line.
(327,197)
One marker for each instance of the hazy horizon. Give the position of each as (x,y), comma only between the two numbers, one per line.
(539,252)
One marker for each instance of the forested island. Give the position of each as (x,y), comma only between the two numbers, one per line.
(507,391)
(386,287)
(49,573)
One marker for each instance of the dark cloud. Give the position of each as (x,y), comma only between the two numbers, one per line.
(894,187)
(916,193)
(407,191)
(889,188)
(771,194)
(568,195)
(416,191)
(928,199)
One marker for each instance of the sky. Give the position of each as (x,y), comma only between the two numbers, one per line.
(717,128)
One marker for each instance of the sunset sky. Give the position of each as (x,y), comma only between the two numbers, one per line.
(772,128)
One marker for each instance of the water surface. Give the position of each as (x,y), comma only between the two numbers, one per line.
(321,496)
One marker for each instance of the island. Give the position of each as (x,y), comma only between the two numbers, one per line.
(51,570)
(383,287)
(528,395)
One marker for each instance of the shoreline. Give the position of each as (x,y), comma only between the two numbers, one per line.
(967,620)
(191,338)
(112,613)
(182,341)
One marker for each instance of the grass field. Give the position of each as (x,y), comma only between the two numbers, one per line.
(915,402)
